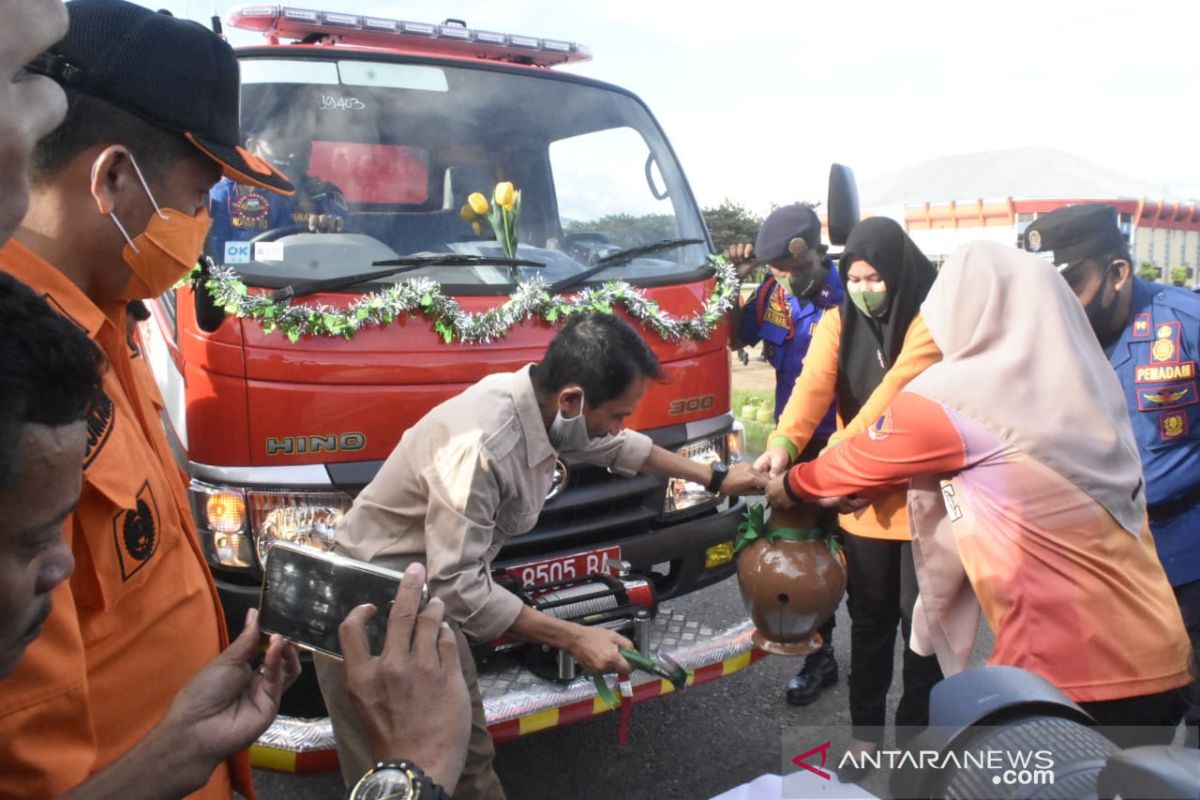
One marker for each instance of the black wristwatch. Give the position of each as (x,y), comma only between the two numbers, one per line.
(396,780)
(719,471)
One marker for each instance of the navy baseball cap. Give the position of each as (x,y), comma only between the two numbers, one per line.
(1071,234)
(788,231)
(173,73)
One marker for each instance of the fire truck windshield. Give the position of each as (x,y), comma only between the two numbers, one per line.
(385,155)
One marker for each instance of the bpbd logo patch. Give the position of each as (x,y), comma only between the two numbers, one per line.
(136,532)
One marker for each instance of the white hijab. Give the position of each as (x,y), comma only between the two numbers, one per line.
(1020,359)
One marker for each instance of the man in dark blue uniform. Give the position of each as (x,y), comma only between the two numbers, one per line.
(1151,334)
(782,313)
(240,213)
(786,307)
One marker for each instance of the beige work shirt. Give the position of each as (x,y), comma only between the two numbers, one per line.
(471,474)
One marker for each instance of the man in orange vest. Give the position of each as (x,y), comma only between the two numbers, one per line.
(117,213)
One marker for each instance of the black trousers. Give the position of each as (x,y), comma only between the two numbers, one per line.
(882,588)
(1137,721)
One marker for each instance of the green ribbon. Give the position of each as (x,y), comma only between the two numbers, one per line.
(603,692)
(754,527)
(676,675)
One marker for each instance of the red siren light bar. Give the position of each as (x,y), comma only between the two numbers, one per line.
(448,38)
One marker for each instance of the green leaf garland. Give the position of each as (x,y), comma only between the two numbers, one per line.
(529,300)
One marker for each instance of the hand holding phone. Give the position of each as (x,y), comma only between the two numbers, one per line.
(307,593)
(412,698)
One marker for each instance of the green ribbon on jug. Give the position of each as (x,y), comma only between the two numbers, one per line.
(754,527)
(676,674)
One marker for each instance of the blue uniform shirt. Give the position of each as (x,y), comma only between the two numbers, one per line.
(239,212)
(785,324)
(1156,359)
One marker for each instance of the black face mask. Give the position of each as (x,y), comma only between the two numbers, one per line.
(1101,316)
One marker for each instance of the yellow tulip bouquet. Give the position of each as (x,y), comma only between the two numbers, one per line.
(502,214)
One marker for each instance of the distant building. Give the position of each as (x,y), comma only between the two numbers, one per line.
(995,195)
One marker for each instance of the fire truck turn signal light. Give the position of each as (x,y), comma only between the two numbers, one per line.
(226,512)
(718,555)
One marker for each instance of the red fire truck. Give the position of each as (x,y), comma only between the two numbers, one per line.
(283,410)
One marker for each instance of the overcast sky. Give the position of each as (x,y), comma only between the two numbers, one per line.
(758,98)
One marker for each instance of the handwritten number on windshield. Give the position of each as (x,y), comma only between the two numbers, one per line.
(331,103)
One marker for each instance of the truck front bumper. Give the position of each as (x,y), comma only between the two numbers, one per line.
(518,703)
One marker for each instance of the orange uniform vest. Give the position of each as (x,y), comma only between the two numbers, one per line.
(140,616)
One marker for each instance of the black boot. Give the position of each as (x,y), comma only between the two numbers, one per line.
(820,671)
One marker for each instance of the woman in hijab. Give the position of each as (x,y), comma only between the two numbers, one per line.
(1025,495)
(862,355)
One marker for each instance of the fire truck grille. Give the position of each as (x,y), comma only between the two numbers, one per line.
(596,506)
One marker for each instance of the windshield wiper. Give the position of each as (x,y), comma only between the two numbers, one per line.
(620,257)
(399,265)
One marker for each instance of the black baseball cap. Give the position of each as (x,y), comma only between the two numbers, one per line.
(173,73)
(1071,234)
(797,221)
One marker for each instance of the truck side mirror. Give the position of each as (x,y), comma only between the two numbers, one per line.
(842,203)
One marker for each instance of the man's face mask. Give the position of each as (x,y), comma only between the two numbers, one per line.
(166,251)
(1102,317)
(569,434)
(800,277)
(873,304)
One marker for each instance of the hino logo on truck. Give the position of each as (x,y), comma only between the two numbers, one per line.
(332,443)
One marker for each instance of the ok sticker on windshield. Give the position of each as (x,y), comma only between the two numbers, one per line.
(237,252)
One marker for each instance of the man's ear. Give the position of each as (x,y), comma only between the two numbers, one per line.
(1122,272)
(570,399)
(110,173)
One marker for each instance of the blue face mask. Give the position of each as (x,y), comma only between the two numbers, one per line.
(569,433)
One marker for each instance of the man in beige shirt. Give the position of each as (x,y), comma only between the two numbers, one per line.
(474,472)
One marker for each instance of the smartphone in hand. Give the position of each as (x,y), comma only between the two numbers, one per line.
(306,593)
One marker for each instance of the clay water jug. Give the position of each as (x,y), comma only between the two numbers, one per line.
(790,577)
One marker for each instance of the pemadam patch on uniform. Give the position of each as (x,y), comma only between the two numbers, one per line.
(1162,398)
(881,428)
(1165,349)
(100,421)
(1172,425)
(1149,373)
(1141,325)
(135,532)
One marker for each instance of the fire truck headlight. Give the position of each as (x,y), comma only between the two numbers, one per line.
(307,518)
(684,495)
(237,526)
